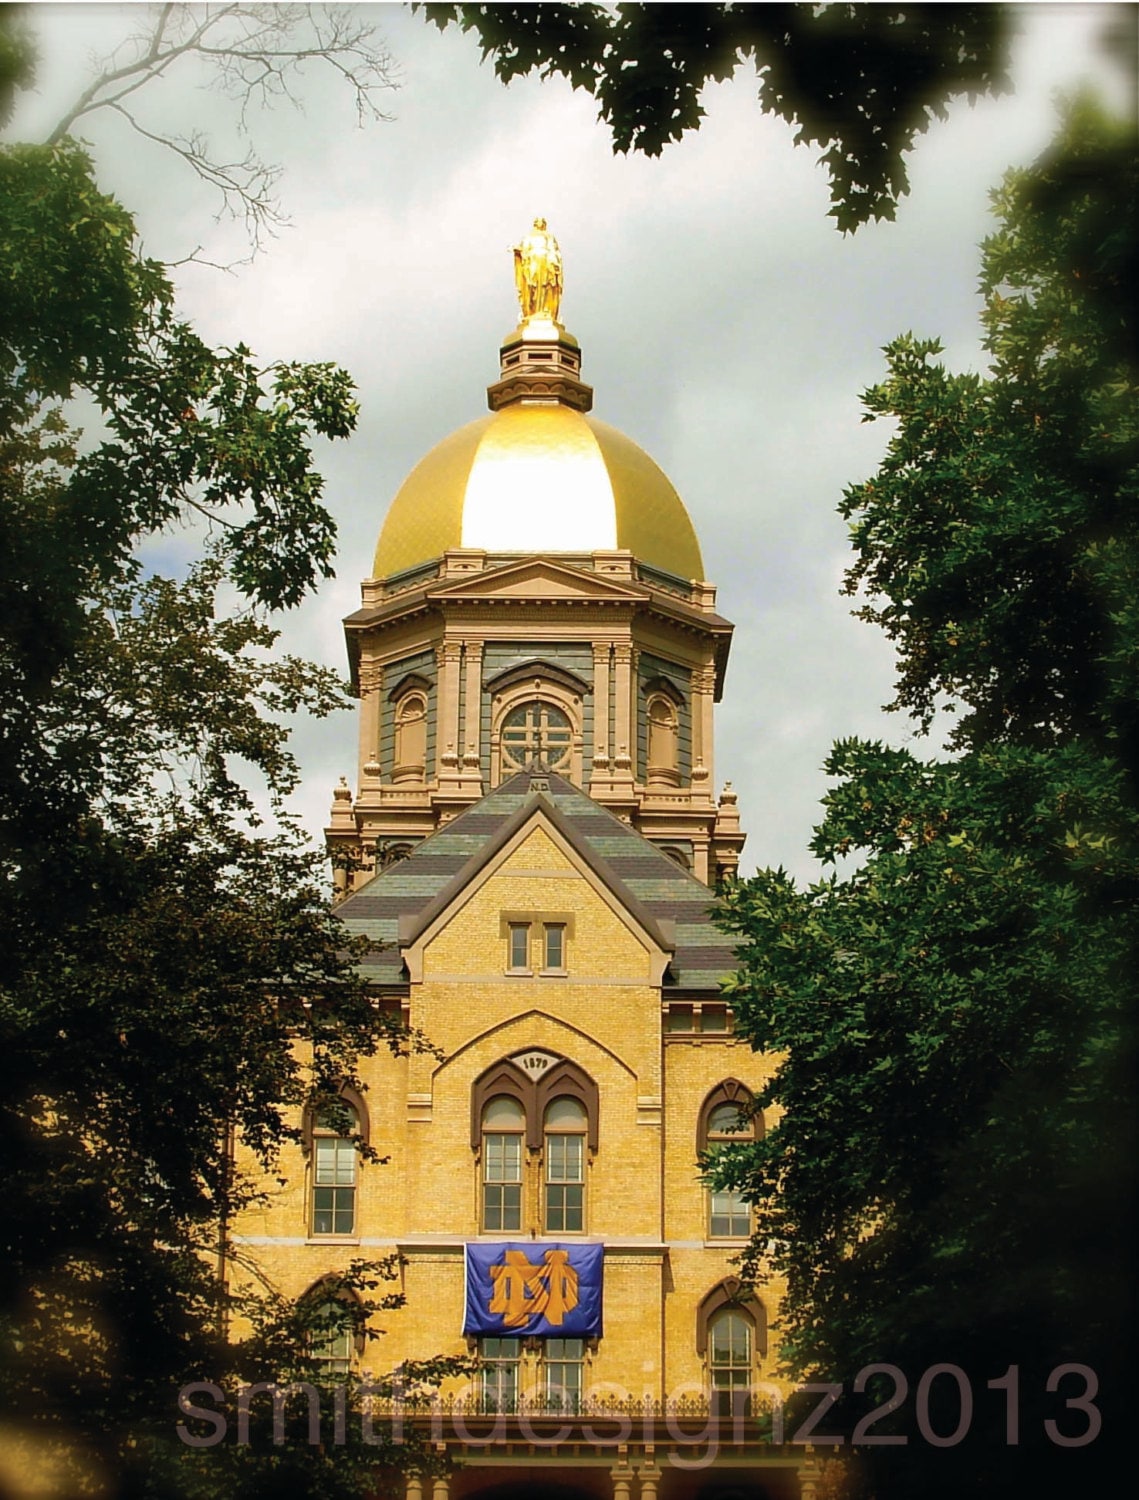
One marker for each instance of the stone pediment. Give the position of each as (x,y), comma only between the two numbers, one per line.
(538,578)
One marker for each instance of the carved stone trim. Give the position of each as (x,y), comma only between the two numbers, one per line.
(731,1293)
(731,1091)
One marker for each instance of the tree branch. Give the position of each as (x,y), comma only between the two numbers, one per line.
(256,55)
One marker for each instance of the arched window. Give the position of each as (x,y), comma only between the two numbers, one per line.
(565,1127)
(727,1119)
(731,1334)
(678,855)
(534,1101)
(503,1125)
(331,1337)
(336,1318)
(663,747)
(334,1163)
(536,730)
(730,1361)
(410,737)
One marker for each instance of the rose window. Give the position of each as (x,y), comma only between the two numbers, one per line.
(536,731)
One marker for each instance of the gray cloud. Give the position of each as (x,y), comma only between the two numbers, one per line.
(725,325)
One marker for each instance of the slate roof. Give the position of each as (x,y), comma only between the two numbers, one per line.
(635,870)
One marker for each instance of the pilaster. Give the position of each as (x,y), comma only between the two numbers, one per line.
(703,696)
(470,769)
(371,700)
(602,650)
(448,657)
(623,723)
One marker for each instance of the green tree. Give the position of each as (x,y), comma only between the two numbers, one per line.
(949,1176)
(859,81)
(170,968)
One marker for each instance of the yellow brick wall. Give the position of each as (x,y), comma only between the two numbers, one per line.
(642,1186)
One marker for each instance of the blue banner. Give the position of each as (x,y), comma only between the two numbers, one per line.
(534,1290)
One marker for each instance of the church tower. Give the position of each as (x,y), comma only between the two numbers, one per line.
(537,596)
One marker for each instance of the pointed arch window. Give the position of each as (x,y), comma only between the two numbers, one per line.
(331,1339)
(728,1117)
(336,1320)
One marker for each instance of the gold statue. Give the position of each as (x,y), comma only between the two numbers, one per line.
(538,274)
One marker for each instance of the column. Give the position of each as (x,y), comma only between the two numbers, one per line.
(447,657)
(650,1479)
(809,1476)
(472,721)
(414,1487)
(623,693)
(441,1490)
(601,652)
(622,1477)
(371,701)
(703,693)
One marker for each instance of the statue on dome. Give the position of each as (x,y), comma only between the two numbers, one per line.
(538,274)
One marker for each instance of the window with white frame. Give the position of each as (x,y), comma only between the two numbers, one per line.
(503,1124)
(498,1364)
(334,1171)
(331,1338)
(518,947)
(730,1357)
(729,1217)
(563,1370)
(554,946)
(565,1128)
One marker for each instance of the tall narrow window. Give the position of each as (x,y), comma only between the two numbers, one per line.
(729,1216)
(518,948)
(564,1368)
(498,1374)
(554,941)
(331,1339)
(730,1362)
(334,1171)
(565,1166)
(502,1127)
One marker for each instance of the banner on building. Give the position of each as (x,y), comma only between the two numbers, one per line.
(534,1290)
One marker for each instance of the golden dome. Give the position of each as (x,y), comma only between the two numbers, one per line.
(538,477)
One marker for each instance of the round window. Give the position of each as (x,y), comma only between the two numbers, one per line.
(536,731)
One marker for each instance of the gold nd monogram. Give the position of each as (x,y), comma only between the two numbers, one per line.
(523,1291)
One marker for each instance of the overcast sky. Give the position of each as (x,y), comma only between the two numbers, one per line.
(725,326)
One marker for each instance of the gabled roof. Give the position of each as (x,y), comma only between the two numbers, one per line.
(658,894)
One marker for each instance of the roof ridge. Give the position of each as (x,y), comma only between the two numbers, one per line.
(538,803)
